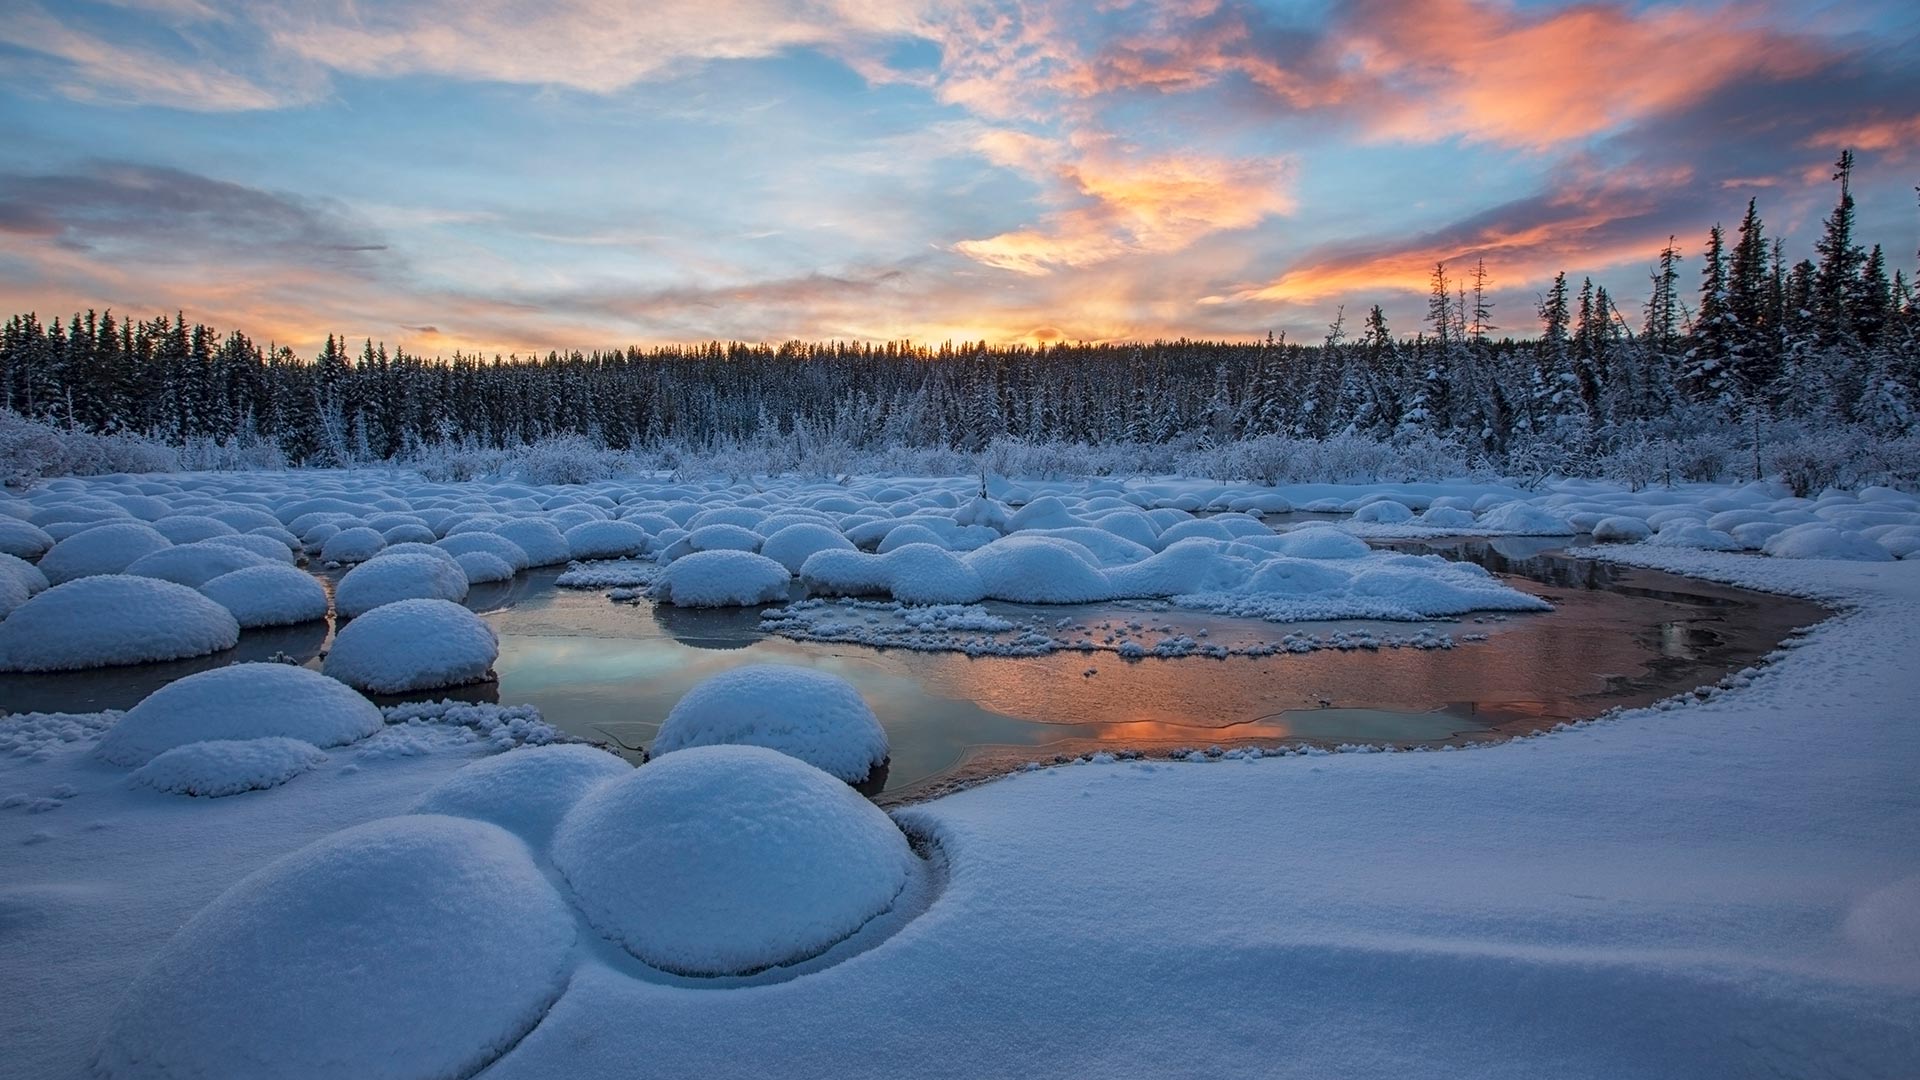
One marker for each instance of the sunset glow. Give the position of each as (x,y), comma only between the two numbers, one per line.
(508,176)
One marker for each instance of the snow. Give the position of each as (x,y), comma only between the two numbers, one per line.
(1618,529)
(270,595)
(23,539)
(794,544)
(1686,534)
(265,545)
(487,543)
(378,952)
(241,701)
(393,578)
(606,540)
(189,528)
(355,545)
(482,568)
(1812,541)
(194,564)
(23,572)
(220,767)
(544,544)
(101,549)
(13,593)
(811,715)
(1523,519)
(1039,570)
(524,791)
(729,859)
(722,579)
(104,620)
(419,644)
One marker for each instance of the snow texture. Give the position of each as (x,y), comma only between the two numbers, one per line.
(268,595)
(412,645)
(195,564)
(383,952)
(811,715)
(526,791)
(722,579)
(606,540)
(393,578)
(105,620)
(220,767)
(102,549)
(729,859)
(241,701)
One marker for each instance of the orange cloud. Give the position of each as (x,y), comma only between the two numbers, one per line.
(1881,134)
(1126,202)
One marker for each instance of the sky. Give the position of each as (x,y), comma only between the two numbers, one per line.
(507,176)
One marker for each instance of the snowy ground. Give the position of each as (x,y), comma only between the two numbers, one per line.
(1723,888)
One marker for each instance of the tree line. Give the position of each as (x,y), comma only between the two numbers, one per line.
(1830,339)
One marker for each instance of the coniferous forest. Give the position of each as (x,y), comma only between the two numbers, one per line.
(1739,349)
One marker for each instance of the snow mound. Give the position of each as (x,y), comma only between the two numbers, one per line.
(393,578)
(1039,570)
(190,528)
(724,537)
(104,620)
(1690,534)
(13,593)
(724,860)
(483,568)
(544,544)
(1817,542)
(811,715)
(409,947)
(353,545)
(102,549)
(262,544)
(486,543)
(270,595)
(1321,542)
(1384,512)
(242,701)
(526,791)
(1444,517)
(220,767)
(24,572)
(794,544)
(194,564)
(413,645)
(23,539)
(1620,530)
(1524,519)
(606,540)
(722,579)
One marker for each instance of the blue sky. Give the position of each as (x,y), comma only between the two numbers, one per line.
(504,175)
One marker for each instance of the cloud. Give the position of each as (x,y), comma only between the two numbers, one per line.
(1124,201)
(88,67)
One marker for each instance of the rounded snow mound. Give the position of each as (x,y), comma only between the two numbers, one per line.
(724,537)
(606,540)
(13,593)
(811,715)
(1384,512)
(1800,542)
(353,545)
(270,595)
(525,791)
(189,528)
(488,544)
(726,860)
(1321,542)
(243,701)
(794,544)
(1524,519)
(722,579)
(1039,570)
(22,539)
(1691,534)
(221,767)
(194,564)
(544,544)
(413,645)
(393,578)
(378,952)
(101,549)
(1620,530)
(109,619)
(261,544)
(1444,517)
(483,568)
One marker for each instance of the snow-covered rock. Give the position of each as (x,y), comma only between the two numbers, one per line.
(195,564)
(108,619)
(544,544)
(25,573)
(407,948)
(268,595)
(101,549)
(483,568)
(393,578)
(1039,570)
(419,644)
(486,543)
(1683,533)
(811,715)
(606,540)
(353,545)
(1620,529)
(722,579)
(729,859)
(1814,541)
(220,767)
(241,701)
(525,791)
(1524,519)
(792,545)
(190,528)
(23,539)
(1384,512)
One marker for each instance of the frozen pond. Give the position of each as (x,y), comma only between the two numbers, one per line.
(610,671)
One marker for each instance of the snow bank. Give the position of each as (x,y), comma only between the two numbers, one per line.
(410,947)
(241,701)
(104,620)
(220,767)
(393,578)
(811,715)
(729,859)
(525,791)
(101,549)
(413,645)
(722,579)
(269,595)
